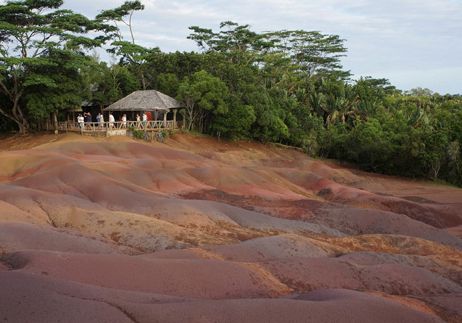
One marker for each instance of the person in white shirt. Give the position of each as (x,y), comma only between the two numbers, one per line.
(111,120)
(138,120)
(145,119)
(124,121)
(80,121)
(101,120)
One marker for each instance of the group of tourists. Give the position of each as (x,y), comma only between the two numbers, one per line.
(85,121)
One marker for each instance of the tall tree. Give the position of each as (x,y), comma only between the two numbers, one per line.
(35,36)
(130,52)
(313,52)
(237,42)
(202,93)
(108,84)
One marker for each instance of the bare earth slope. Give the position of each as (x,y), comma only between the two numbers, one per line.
(198,230)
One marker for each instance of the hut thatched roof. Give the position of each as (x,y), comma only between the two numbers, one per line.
(148,100)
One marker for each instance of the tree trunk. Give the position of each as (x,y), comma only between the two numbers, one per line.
(23,126)
(190,113)
(436,166)
(143,80)
(18,116)
(55,121)
(190,119)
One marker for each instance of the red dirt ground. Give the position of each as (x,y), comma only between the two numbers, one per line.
(200,230)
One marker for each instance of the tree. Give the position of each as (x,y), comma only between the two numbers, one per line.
(37,36)
(202,93)
(371,93)
(333,100)
(131,52)
(108,84)
(123,14)
(234,40)
(236,123)
(168,83)
(65,87)
(180,64)
(312,51)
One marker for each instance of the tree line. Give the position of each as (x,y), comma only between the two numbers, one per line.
(285,86)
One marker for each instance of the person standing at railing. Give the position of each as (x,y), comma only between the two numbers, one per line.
(111,120)
(80,121)
(145,120)
(138,120)
(87,119)
(101,120)
(124,121)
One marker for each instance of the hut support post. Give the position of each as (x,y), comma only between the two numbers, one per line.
(165,119)
(174,118)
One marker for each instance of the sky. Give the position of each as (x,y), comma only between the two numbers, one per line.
(413,43)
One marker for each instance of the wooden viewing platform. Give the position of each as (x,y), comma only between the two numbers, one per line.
(118,128)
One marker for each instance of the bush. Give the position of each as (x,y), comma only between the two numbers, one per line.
(138,134)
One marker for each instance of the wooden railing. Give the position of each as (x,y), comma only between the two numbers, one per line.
(104,126)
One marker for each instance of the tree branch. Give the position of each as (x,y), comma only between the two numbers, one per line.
(130,27)
(39,44)
(4,88)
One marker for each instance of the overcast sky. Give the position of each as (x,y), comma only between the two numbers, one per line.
(413,43)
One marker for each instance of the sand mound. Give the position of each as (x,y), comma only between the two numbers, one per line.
(192,278)
(56,300)
(307,274)
(364,221)
(279,247)
(447,306)
(115,230)
(19,236)
(324,306)
(19,304)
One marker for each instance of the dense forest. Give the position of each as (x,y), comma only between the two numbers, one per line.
(285,86)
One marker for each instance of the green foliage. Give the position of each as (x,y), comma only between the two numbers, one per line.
(236,124)
(202,93)
(41,51)
(130,53)
(163,135)
(168,83)
(310,51)
(107,84)
(286,86)
(56,86)
(138,134)
(397,141)
(289,87)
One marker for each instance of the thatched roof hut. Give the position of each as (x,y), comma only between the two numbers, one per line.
(147,100)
